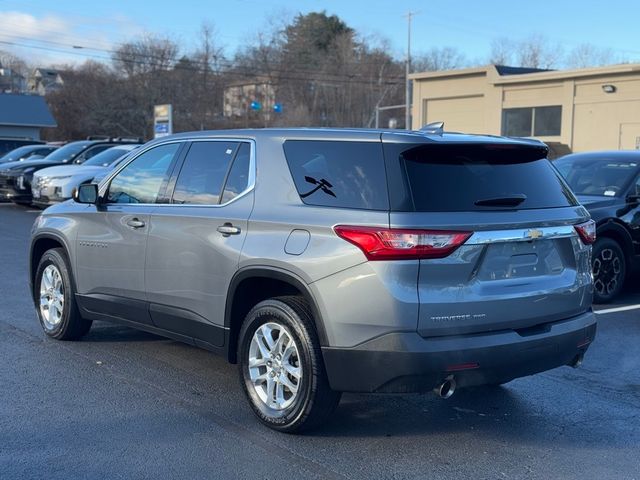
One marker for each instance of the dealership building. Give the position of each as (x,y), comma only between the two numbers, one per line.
(571,110)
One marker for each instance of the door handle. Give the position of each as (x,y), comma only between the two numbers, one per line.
(228,229)
(135,223)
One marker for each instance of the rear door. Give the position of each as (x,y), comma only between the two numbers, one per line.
(112,237)
(196,238)
(523,264)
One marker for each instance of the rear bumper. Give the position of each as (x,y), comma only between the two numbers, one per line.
(407,362)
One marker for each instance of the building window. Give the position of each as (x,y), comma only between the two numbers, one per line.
(532,121)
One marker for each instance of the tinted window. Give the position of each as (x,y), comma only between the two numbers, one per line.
(443,178)
(203,172)
(547,121)
(238,178)
(597,176)
(142,179)
(517,122)
(532,121)
(338,174)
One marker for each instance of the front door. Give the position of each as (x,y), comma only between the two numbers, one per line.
(112,237)
(195,240)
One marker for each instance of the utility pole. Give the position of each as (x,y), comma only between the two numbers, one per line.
(407,113)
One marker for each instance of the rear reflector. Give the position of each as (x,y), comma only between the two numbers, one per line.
(462,366)
(587,231)
(379,243)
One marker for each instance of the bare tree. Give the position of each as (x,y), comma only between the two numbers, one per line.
(588,55)
(147,54)
(538,52)
(439,58)
(502,51)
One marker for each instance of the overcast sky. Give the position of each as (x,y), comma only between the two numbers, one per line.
(469,25)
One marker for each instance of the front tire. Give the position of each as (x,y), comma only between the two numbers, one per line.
(281,366)
(54,297)
(609,270)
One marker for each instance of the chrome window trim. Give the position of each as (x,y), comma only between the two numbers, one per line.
(521,235)
(251,182)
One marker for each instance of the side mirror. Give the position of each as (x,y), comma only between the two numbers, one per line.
(87,193)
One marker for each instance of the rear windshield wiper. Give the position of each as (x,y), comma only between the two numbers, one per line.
(507,201)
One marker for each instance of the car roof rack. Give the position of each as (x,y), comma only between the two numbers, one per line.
(433,128)
(98,137)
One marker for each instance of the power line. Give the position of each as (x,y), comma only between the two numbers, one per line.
(235,70)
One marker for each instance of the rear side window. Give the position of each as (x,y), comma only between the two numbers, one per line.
(338,174)
(203,173)
(450,178)
(238,179)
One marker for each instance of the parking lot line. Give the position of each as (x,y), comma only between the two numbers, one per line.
(617,309)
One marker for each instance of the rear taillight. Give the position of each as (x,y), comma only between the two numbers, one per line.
(401,244)
(587,231)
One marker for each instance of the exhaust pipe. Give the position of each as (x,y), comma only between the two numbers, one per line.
(577,361)
(446,388)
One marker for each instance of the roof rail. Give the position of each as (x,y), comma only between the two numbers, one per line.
(436,128)
(98,137)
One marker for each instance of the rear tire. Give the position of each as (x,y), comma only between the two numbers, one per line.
(281,367)
(609,270)
(54,296)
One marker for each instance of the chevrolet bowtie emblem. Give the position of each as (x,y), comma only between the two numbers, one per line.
(533,234)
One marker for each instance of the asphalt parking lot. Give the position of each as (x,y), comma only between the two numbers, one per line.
(127,404)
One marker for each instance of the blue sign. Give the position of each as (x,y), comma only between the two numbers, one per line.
(255,105)
(277,107)
(162,128)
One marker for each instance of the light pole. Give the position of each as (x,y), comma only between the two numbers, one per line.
(407,113)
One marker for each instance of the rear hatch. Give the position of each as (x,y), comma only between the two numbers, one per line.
(521,265)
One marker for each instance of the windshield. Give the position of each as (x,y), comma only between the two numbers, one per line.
(597,176)
(106,158)
(16,154)
(68,152)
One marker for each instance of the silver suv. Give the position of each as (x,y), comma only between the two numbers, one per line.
(325,261)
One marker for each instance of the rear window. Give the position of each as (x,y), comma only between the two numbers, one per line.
(338,174)
(450,178)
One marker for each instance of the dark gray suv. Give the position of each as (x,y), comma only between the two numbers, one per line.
(325,261)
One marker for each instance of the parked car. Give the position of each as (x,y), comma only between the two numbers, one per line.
(16,177)
(57,184)
(9,143)
(325,261)
(28,152)
(608,184)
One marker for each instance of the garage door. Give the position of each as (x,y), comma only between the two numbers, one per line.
(461,114)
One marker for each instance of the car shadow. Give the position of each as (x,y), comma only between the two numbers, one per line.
(105,332)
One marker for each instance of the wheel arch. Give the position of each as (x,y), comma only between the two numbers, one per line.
(615,231)
(39,245)
(252,285)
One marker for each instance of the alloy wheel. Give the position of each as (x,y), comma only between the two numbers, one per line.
(274,366)
(51,297)
(607,270)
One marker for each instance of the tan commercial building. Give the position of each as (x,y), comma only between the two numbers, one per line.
(572,110)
